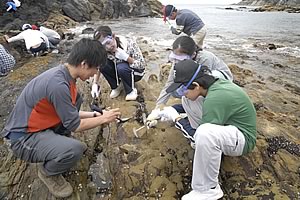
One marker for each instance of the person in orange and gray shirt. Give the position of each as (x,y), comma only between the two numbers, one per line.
(48,110)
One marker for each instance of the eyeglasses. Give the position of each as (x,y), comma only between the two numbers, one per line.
(176,58)
(106,40)
(183,89)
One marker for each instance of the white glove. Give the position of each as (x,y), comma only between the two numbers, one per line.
(95,90)
(155,114)
(121,54)
(169,114)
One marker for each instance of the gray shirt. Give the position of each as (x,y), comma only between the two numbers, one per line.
(190,21)
(47,101)
(206,58)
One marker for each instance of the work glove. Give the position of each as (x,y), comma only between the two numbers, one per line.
(173,30)
(95,90)
(121,54)
(169,114)
(154,115)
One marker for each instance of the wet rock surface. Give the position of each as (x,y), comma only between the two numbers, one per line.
(158,163)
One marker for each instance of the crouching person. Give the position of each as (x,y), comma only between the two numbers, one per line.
(227,124)
(47,110)
(35,41)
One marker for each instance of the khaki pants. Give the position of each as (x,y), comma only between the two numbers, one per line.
(199,37)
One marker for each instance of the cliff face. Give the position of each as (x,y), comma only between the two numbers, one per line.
(270,2)
(32,11)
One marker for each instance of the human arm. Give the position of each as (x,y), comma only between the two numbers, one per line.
(88,114)
(176,30)
(95,87)
(14,38)
(136,59)
(164,96)
(9,8)
(92,122)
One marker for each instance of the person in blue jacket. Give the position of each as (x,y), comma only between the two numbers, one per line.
(12,5)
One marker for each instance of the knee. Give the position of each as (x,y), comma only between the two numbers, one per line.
(204,134)
(123,71)
(77,149)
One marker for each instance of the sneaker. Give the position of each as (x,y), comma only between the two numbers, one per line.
(57,184)
(211,194)
(55,51)
(193,145)
(132,95)
(116,92)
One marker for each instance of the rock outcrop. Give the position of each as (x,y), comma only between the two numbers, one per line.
(156,163)
(270,2)
(291,6)
(37,12)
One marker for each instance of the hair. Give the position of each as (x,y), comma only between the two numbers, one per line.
(103,31)
(204,78)
(169,9)
(186,45)
(90,51)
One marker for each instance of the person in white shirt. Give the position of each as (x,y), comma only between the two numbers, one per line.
(53,37)
(35,41)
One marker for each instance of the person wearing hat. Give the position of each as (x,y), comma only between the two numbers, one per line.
(12,5)
(53,36)
(7,61)
(48,110)
(184,47)
(187,22)
(35,41)
(228,124)
(125,64)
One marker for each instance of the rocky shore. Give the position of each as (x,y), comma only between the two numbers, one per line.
(156,163)
(272,5)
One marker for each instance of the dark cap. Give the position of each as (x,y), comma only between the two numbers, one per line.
(168,10)
(183,72)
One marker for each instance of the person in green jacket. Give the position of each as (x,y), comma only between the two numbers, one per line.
(228,124)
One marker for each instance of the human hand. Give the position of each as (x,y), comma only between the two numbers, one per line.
(95,90)
(111,115)
(169,114)
(173,29)
(155,114)
(6,37)
(121,54)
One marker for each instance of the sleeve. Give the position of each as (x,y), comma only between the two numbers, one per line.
(45,39)
(164,96)
(16,38)
(60,97)
(135,52)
